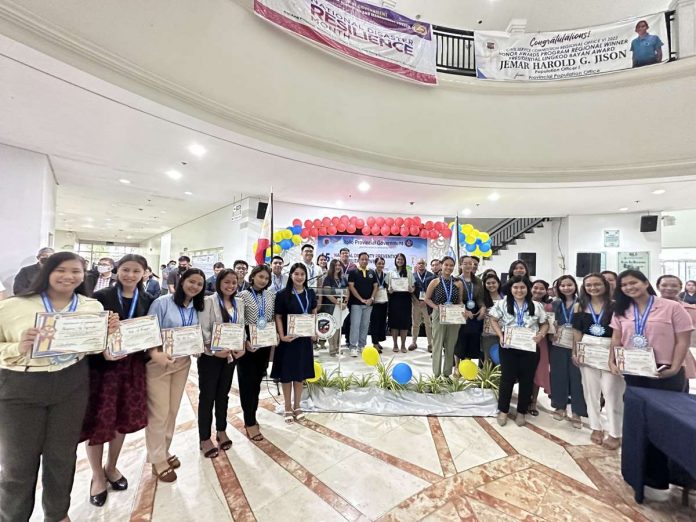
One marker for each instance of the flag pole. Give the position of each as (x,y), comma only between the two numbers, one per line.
(456,234)
(271,201)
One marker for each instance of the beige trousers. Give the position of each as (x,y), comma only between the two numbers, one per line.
(419,314)
(165,387)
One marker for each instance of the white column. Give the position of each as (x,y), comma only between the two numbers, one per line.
(27,209)
(685,35)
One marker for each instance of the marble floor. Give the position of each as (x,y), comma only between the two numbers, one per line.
(359,467)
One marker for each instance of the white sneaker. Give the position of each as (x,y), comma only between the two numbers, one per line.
(353,352)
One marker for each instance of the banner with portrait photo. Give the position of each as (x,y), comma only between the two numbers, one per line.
(576,53)
(414,248)
(374,35)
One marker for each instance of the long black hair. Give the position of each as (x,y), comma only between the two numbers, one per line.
(621,300)
(510,301)
(218,283)
(401,271)
(487,299)
(514,264)
(180,296)
(256,270)
(585,300)
(290,285)
(546,299)
(557,286)
(41,283)
(135,258)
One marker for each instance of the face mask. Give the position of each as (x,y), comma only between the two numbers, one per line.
(103,269)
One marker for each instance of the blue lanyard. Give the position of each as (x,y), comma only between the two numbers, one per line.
(641,320)
(469,290)
(261,306)
(184,320)
(233,319)
(131,312)
(596,319)
(519,313)
(49,307)
(303,306)
(277,282)
(448,293)
(421,280)
(380,280)
(568,316)
(310,272)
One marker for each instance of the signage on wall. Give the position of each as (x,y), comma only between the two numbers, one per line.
(237,212)
(414,248)
(611,238)
(634,261)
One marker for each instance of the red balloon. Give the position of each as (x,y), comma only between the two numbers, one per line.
(389,221)
(332,230)
(326,221)
(314,232)
(428,225)
(366,231)
(446,233)
(351,229)
(308,223)
(385,230)
(360,223)
(370,221)
(316,223)
(375,230)
(296,222)
(424,234)
(335,220)
(404,231)
(394,229)
(341,227)
(344,219)
(379,221)
(322,231)
(353,219)
(433,234)
(417,220)
(305,233)
(399,221)
(414,230)
(408,222)
(439,225)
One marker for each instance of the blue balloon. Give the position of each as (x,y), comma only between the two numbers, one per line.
(296,229)
(286,244)
(494,353)
(485,247)
(470,248)
(402,373)
(479,242)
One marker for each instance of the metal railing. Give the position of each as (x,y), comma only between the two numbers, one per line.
(510,230)
(455,48)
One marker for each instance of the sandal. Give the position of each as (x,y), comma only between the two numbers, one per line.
(396,349)
(576,422)
(597,437)
(403,349)
(611,443)
(298,416)
(210,453)
(223,444)
(256,438)
(412,347)
(559,415)
(533,412)
(289,417)
(168,475)
(174,462)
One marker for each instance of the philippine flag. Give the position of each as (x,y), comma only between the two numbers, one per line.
(264,240)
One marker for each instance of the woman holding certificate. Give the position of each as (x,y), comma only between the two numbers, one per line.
(592,336)
(222,323)
(491,295)
(542,376)
(400,288)
(168,367)
(118,399)
(469,340)
(295,320)
(43,399)
(444,296)
(259,318)
(652,327)
(334,279)
(521,324)
(566,381)
(669,287)
(378,318)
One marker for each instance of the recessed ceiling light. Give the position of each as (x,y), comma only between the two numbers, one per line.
(174,174)
(494,196)
(163,211)
(466,212)
(188,193)
(364,186)
(129,237)
(125,181)
(89,219)
(659,191)
(88,225)
(623,209)
(197,150)
(60,214)
(107,219)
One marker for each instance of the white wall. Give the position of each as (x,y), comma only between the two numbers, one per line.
(27,208)
(683,233)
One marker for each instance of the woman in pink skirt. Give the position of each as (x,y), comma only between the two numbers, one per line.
(542,377)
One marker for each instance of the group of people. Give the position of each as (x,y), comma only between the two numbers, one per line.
(49,405)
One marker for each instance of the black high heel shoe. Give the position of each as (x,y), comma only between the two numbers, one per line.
(117,485)
(99,499)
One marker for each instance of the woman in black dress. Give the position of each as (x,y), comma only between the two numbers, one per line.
(293,361)
(378,318)
(400,304)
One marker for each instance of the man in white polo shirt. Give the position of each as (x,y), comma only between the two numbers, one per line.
(313,272)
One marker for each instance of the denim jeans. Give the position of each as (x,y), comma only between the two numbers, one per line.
(359,325)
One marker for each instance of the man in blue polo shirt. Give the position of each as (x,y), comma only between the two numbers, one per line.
(362,284)
(647,48)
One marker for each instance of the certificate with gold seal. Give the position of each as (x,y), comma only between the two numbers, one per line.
(636,361)
(302,325)
(228,336)
(70,333)
(452,314)
(135,335)
(182,341)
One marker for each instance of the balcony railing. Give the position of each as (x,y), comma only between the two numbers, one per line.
(455,48)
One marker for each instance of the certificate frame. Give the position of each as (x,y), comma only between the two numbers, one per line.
(453,314)
(224,333)
(634,361)
(150,336)
(299,325)
(50,324)
(398,284)
(593,355)
(188,338)
(564,337)
(269,333)
(517,338)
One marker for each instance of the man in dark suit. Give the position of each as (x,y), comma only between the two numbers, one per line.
(25,277)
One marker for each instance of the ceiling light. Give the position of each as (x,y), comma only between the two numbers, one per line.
(163,211)
(364,186)
(623,209)
(659,191)
(174,174)
(89,219)
(188,193)
(60,214)
(466,212)
(197,150)
(88,226)
(339,202)
(107,219)
(129,237)
(494,196)
(125,181)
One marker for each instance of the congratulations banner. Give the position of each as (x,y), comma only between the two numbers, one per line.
(414,248)
(374,35)
(571,54)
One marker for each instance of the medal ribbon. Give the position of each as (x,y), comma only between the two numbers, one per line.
(568,313)
(421,280)
(233,318)
(303,306)
(596,319)
(448,293)
(260,305)
(641,319)
(186,321)
(469,290)
(131,311)
(49,307)
(519,313)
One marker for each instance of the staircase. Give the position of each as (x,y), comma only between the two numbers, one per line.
(508,231)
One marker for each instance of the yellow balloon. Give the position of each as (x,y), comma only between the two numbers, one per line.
(277,249)
(477,253)
(277,236)
(370,355)
(268,252)
(317,372)
(467,229)
(484,236)
(296,240)
(488,254)
(287,234)
(470,239)
(468,369)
